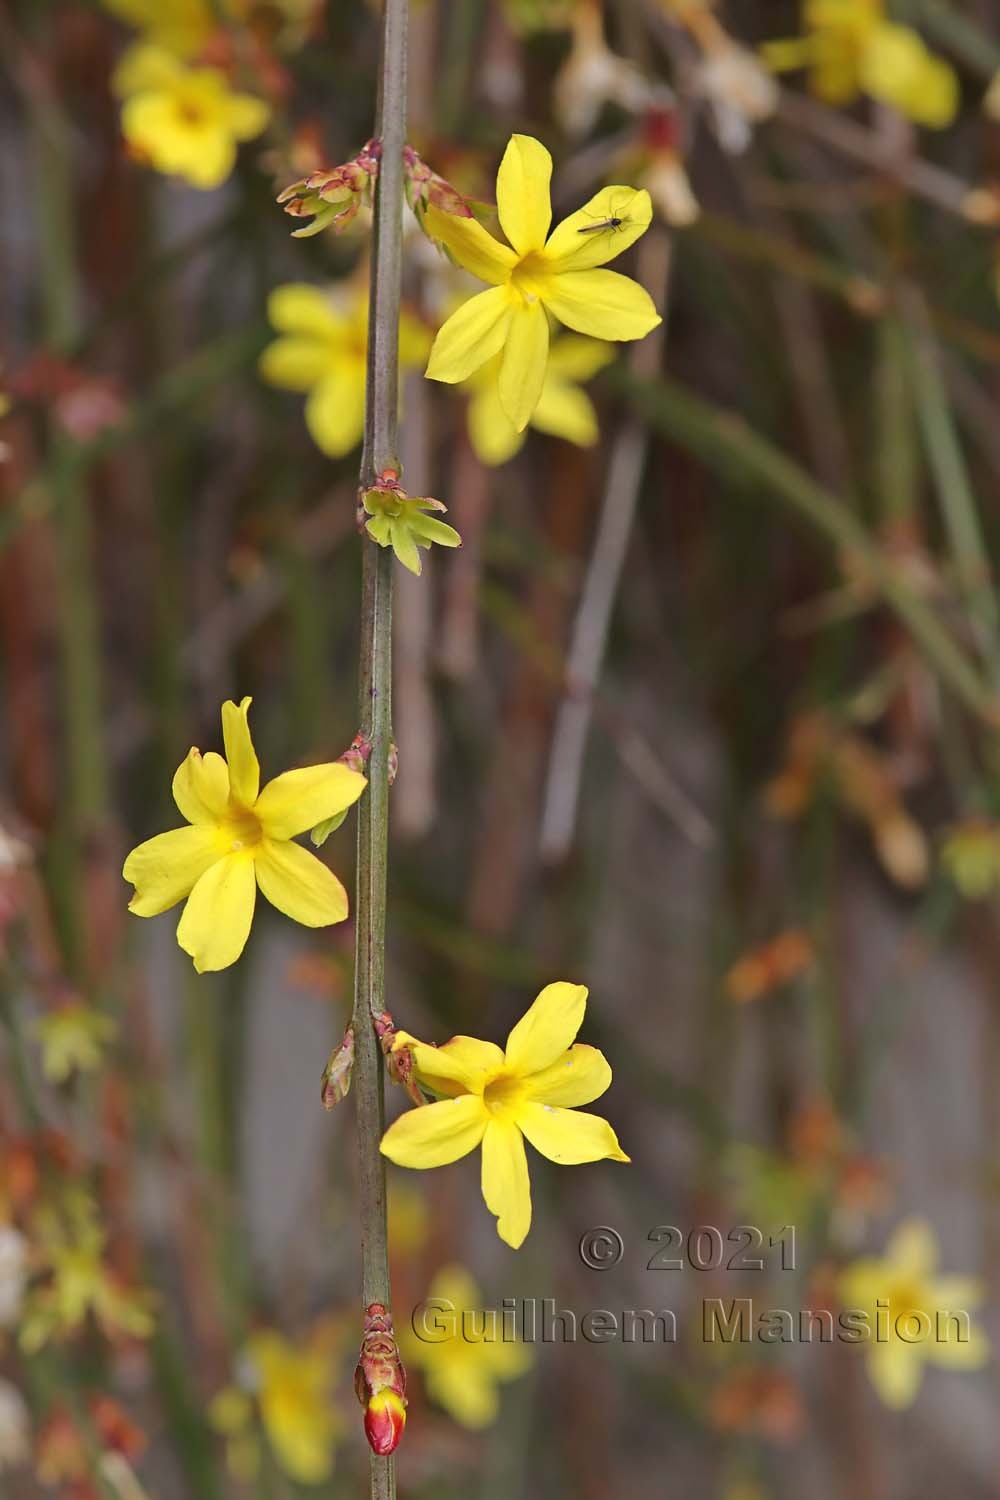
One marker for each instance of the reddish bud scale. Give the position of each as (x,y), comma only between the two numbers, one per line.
(380,1382)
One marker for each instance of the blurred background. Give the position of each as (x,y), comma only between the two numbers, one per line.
(703,715)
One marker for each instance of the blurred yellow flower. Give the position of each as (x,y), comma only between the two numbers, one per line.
(563,410)
(971,856)
(907,1306)
(851,48)
(230,1413)
(182,26)
(495,1099)
(322,350)
(72,1039)
(293,1385)
(462,1371)
(69,1249)
(184,121)
(543,274)
(239,839)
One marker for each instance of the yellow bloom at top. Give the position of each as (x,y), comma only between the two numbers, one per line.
(564,409)
(182,26)
(461,1349)
(182,120)
(537,274)
(322,350)
(239,839)
(851,48)
(495,1099)
(909,1309)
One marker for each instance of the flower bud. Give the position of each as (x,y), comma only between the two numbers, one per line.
(380,1381)
(333,195)
(338,1070)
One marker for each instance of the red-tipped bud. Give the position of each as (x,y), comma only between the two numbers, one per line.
(380,1382)
(385,1418)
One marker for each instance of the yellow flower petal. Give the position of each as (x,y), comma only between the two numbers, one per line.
(215,923)
(548,1028)
(580,1076)
(300,799)
(523,202)
(143,67)
(460,1066)
(525,355)
(471,245)
(296,364)
(505,1182)
(574,358)
(896,67)
(299,884)
(466,1392)
(602,304)
(165,869)
(436,1134)
(566,412)
(577,245)
(299,308)
(335,411)
(896,1370)
(244,770)
(491,432)
(568,1136)
(201,787)
(472,335)
(912,1251)
(246,116)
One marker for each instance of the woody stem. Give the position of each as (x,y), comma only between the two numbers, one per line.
(375,676)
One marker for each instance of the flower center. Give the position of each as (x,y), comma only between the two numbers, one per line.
(530,275)
(241,829)
(503,1093)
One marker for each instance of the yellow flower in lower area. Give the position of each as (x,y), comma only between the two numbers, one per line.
(496,1099)
(538,274)
(184,121)
(322,350)
(851,48)
(916,1316)
(461,1349)
(239,840)
(72,1039)
(563,410)
(293,1385)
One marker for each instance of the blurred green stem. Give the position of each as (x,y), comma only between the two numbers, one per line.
(375,677)
(724,441)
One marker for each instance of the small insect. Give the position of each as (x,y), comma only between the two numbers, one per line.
(612,223)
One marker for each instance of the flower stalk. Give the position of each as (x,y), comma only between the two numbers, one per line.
(375,680)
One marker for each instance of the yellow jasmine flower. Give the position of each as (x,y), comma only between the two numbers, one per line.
(907,1306)
(563,410)
(182,26)
(495,1099)
(72,1038)
(182,120)
(293,1384)
(851,48)
(78,1282)
(463,1358)
(239,839)
(971,856)
(323,350)
(230,1413)
(541,274)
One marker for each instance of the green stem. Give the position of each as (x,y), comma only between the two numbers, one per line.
(375,678)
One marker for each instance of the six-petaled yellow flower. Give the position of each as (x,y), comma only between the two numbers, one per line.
(538,274)
(564,410)
(461,1349)
(184,121)
(322,350)
(496,1100)
(239,839)
(294,1387)
(917,1316)
(850,48)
